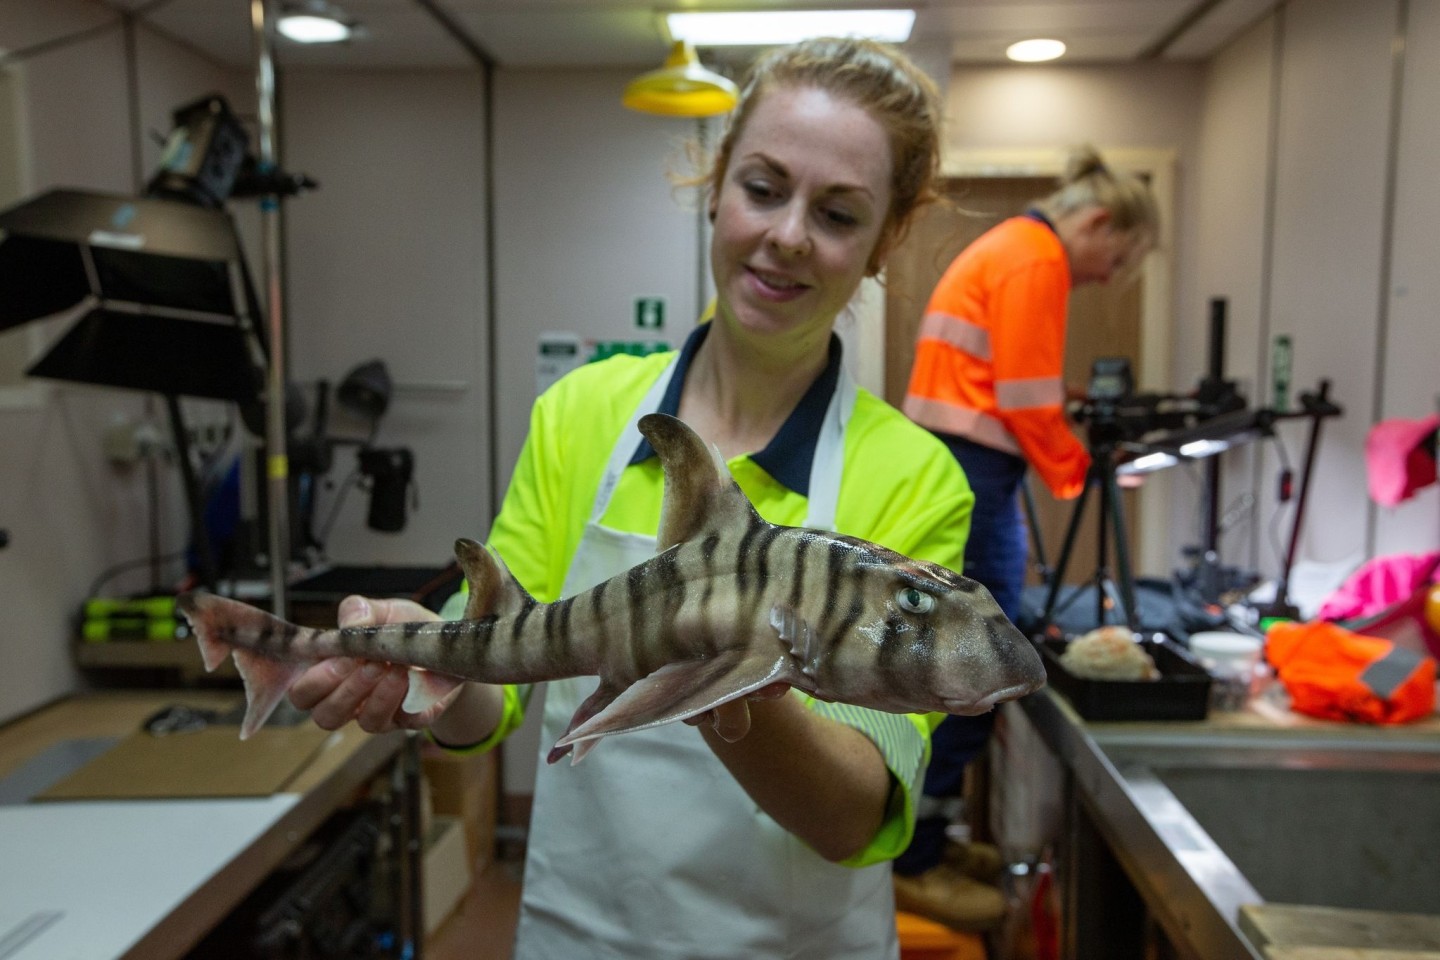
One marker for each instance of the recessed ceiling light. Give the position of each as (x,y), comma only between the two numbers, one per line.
(720,29)
(1035,51)
(314,21)
(304,28)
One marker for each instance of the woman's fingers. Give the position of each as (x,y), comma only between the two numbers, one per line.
(320,681)
(342,704)
(731,720)
(381,708)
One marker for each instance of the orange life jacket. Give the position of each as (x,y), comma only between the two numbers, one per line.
(990,357)
(1333,673)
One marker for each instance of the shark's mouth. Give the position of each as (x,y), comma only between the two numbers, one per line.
(970,708)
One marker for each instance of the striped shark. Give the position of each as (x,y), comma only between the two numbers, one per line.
(729,605)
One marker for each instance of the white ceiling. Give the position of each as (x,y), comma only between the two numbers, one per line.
(629,33)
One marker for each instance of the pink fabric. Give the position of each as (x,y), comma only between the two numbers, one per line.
(1378,584)
(1400,458)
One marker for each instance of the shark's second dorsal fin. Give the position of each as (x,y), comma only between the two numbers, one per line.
(493,591)
(700,494)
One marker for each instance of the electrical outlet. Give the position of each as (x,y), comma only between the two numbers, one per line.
(126,442)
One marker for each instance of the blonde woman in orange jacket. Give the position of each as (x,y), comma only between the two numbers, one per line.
(987,380)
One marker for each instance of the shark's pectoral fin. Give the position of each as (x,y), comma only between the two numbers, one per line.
(429,691)
(598,700)
(684,689)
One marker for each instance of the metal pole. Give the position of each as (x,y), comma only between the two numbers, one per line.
(277,463)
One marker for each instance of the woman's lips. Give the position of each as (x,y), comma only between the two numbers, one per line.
(774,286)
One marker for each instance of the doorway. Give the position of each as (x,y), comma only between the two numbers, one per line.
(1103,321)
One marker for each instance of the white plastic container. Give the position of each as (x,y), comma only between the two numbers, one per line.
(1233,660)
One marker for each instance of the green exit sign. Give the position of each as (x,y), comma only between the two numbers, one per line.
(649,313)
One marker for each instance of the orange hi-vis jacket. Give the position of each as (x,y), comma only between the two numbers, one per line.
(990,357)
(1336,674)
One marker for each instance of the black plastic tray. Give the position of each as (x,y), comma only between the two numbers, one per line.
(1181,693)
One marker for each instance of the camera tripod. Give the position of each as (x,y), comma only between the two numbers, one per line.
(1111,593)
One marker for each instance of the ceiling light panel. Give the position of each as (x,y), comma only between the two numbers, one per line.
(722,29)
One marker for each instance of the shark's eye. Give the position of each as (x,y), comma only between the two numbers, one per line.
(914,601)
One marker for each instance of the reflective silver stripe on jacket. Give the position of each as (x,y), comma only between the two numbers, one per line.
(1030,392)
(1385,675)
(961,422)
(960,333)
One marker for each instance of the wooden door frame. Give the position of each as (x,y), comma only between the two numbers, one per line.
(1156,308)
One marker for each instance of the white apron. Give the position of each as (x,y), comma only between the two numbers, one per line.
(649,849)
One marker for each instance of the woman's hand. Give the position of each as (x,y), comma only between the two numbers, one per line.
(731,719)
(341,689)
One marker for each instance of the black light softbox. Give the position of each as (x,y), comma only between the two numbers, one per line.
(160,285)
(163,301)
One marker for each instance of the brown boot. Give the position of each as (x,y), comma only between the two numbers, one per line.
(947,896)
(979,860)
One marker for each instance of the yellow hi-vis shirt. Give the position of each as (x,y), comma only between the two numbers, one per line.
(901,488)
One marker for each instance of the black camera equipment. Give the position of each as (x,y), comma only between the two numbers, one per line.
(391,471)
(1131,433)
(1121,426)
(1112,415)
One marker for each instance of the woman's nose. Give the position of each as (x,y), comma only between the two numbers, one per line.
(789,234)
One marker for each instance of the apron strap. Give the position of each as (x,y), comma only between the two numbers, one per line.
(629,440)
(829,461)
(826,467)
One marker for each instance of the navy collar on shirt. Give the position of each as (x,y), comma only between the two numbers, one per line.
(791,451)
(1034,214)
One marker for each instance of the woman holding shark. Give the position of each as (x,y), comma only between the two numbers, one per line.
(768,831)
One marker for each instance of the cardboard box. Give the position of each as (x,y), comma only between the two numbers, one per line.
(447,871)
(466,786)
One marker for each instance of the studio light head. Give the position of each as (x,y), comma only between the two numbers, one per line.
(204,154)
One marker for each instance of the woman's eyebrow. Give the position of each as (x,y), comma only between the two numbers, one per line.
(780,169)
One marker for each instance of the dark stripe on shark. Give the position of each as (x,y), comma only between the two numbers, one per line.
(925,646)
(835,566)
(768,535)
(742,554)
(564,617)
(897,659)
(517,625)
(797,576)
(665,594)
(636,587)
(708,546)
(597,601)
(451,632)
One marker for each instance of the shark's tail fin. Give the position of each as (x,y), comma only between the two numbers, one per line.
(223,626)
(271,654)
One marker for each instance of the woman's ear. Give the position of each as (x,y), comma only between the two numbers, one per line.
(1098,218)
(881,253)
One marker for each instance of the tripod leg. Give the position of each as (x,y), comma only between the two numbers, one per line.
(1122,551)
(1058,573)
(1033,520)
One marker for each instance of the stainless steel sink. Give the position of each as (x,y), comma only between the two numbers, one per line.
(1206,819)
(1338,824)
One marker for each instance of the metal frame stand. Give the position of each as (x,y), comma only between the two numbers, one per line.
(1317,407)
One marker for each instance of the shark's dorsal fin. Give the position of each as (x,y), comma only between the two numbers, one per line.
(700,494)
(493,591)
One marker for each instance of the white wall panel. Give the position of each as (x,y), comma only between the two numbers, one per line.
(1333,144)
(387,259)
(1410,365)
(588,221)
(1232,171)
